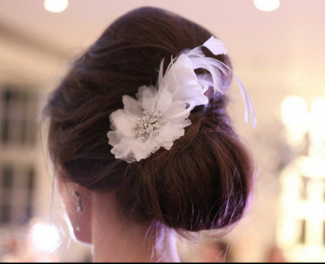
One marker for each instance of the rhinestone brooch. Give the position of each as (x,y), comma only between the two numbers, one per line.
(147,125)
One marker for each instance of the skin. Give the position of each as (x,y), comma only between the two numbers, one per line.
(112,237)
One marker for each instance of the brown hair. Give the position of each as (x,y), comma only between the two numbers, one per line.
(203,182)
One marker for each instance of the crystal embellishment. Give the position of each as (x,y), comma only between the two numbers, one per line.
(147,125)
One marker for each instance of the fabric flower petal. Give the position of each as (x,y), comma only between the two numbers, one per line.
(132,106)
(146,97)
(123,122)
(114,138)
(168,134)
(175,108)
(133,150)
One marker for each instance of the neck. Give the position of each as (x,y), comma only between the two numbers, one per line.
(128,241)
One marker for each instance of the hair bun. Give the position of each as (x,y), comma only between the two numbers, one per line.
(203,182)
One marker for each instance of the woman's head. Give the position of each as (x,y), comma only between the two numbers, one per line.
(203,182)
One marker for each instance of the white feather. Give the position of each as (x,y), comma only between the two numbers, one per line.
(178,91)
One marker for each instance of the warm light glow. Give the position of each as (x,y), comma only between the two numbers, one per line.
(302,199)
(45,237)
(303,214)
(294,109)
(318,112)
(55,6)
(267,5)
(313,167)
(295,117)
(317,126)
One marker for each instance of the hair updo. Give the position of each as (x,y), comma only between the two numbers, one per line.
(203,182)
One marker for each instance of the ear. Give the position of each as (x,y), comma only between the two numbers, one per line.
(77,203)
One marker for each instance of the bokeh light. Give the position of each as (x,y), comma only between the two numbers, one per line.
(45,237)
(295,117)
(267,5)
(56,6)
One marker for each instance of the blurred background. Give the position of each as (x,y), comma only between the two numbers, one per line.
(277,49)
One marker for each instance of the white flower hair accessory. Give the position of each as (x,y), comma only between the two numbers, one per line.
(159,114)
